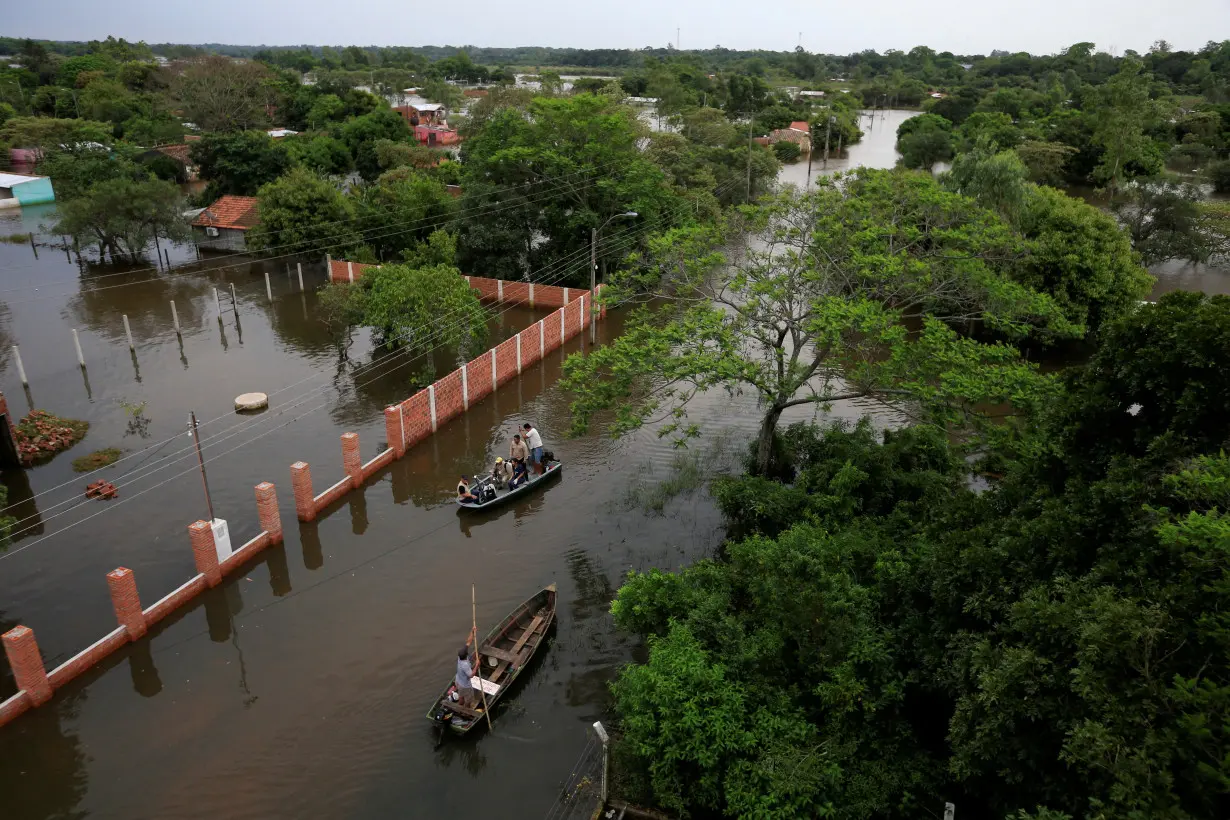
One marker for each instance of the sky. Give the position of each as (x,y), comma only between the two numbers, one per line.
(960,26)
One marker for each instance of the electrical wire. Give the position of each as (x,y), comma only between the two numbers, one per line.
(556,184)
(219,437)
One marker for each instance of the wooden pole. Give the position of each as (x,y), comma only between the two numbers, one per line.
(478,661)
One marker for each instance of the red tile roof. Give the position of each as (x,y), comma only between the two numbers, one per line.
(235,212)
(799,125)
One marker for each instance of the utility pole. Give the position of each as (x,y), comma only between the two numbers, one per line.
(750,119)
(196,438)
(828,130)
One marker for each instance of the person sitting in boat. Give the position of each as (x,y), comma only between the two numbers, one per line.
(518,449)
(520,474)
(501,473)
(463,492)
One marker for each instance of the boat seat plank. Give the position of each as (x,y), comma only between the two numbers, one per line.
(525,636)
(464,711)
(496,652)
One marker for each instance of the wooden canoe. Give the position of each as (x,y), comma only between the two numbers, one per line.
(504,496)
(503,656)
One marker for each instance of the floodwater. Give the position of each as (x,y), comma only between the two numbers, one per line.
(298,688)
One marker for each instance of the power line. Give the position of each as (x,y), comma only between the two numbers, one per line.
(627,240)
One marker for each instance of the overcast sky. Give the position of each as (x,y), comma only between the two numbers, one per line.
(961,26)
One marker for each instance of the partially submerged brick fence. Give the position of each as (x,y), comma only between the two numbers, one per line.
(405,424)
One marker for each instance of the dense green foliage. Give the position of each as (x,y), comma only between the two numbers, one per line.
(302,210)
(879,639)
(815,307)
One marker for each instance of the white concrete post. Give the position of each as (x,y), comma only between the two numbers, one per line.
(431,405)
(542,338)
(77,344)
(562,317)
(268,287)
(518,354)
(467,280)
(21,370)
(565,296)
(234,299)
(494,379)
(175,319)
(499,290)
(128,332)
(401,424)
(350,272)
(299,265)
(531,294)
(465,388)
(329,267)
(218,303)
(600,730)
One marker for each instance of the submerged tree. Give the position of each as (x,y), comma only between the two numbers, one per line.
(815,307)
(123,216)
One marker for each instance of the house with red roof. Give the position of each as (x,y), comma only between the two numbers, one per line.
(799,133)
(224,225)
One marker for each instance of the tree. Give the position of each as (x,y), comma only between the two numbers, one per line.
(401,208)
(1122,110)
(1164,219)
(239,163)
(573,163)
(995,178)
(1045,161)
(810,310)
(301,211)
(924,140)
(319,153)
(1219,175)
(402,304)
(53,135)
(123,216)
(220,94)
(1080,256)
(362,133)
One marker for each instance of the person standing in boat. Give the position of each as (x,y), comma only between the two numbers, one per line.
(518,450)
(534,442)
(465,672)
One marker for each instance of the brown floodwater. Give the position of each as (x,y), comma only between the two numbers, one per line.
(298,688)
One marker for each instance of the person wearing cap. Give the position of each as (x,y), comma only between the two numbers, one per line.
(500,473)
(463,492)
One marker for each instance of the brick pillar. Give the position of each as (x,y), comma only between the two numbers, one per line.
(301,483)
(394,433)
(352,462)
(27,664)
(126,602)
(267,511)
(204,552)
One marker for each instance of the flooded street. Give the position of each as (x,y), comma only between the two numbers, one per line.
(298,688)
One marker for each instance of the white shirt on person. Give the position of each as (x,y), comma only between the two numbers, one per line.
(532,438)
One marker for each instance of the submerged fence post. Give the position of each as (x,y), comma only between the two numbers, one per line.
(352,461)
(21,370)
(299,265)
(126,602)
(267,511)
(77,344)
(606,758)
(218,303)
(268,287)
(128,332)
(234,299)
(175,319)
(301,485)
(205,552)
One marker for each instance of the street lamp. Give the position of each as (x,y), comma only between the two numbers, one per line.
(593,263)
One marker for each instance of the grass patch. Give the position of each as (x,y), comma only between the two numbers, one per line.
(689,471)
(41,435)
(16,238)
(97,459)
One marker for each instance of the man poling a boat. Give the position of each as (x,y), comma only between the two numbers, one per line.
(534,442)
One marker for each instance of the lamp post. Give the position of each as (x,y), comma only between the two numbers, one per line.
(593,265)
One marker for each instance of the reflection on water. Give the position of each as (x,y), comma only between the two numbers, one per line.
(877,149)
